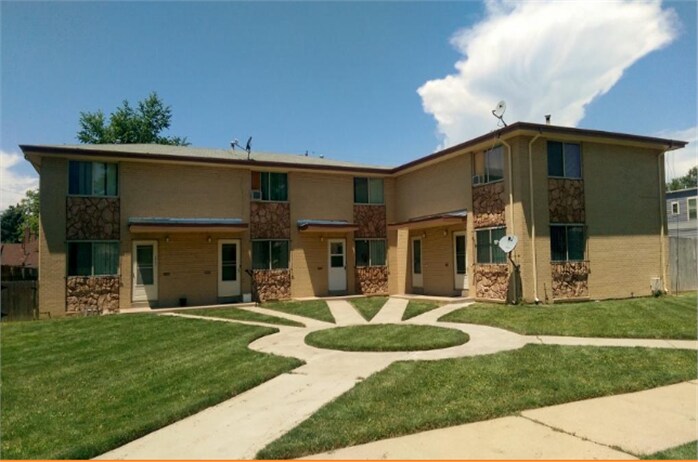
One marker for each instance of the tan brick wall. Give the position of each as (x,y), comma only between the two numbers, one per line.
(318,196)
(52,258)
(437,260)
(183,191)
(624,243)
(442,187)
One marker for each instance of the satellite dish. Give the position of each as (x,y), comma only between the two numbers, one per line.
(500,109)
(507,243)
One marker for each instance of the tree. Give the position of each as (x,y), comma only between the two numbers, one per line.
(23,215)
(690,180)
(128,125)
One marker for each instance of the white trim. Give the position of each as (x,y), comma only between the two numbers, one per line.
(678,207)
(228,288)
(688,206)
(149,295)
(336,277)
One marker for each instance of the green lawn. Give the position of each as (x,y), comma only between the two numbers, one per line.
(75,388)
(688,451)
(414,396)
(368,306)
(315,309)
(243,315)
(417,307)
(386,337)
(663,317)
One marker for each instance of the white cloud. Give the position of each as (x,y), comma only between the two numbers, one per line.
(680,161)
(13,185)
(542,57)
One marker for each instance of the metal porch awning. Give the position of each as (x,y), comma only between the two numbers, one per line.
(326,226)
(431,221)
(185,225)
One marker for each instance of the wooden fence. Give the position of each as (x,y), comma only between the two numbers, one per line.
(683,264)
(20,300)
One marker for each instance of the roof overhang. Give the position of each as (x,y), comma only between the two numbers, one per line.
(326,226)
(185,225)
(432,221)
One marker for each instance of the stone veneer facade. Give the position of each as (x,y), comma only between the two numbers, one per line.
(371,280)
(566,200)
(570,280)
(270,220)
(491,281)
(97,294)
(371,220)
(274,284)
(488,205)
(92,218)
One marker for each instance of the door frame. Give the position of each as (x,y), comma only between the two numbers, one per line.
(329,263)
(134,276)
(238,289)
(417,278)
(458,277)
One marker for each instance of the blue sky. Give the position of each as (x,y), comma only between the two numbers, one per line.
(365,82)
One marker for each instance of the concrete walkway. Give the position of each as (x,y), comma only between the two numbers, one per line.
(239,427)
(614,427)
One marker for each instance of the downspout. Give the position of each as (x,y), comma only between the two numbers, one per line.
(511,191)
(662,217)
(533,218)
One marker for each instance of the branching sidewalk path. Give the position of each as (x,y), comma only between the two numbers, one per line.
(239,427)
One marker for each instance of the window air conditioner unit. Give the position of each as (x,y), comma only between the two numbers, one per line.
(478,179)
(256,194)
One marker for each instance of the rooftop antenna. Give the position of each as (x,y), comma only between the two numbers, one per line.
(499,111)
(248,146)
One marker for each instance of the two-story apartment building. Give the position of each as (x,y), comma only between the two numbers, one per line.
(129,225)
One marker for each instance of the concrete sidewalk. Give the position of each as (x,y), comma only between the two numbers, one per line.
(613,427)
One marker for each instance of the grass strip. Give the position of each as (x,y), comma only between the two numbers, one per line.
(671,317)
(243,315)
(368,306)
(414,396)
(314,309)
(76,388)
(386,337)
(417,307)
(688,451)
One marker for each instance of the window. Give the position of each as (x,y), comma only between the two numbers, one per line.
(269,186)
(692,207)
(487,245)
(92,178)
(270,254)
(489,166)
(675,208)
(370,252)
(93,258)
(567,243)
(564,160)
(368,190)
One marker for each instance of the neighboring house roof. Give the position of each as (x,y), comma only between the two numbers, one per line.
(226,156)
(680,193)
(22,254)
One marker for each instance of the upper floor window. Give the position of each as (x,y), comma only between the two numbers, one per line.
(567,242)
(487,245)
(269,186)
(675,208)
(564,160)
(93,178)
(692,207)
(88,258)
(368,190)
(489,166)
(270,254)
(370,252)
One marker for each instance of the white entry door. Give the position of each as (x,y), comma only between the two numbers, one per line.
(145,271)
(460,271)
(228,267)
(417,263)
(337,265)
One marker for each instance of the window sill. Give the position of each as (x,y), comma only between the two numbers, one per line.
(268,201)
(369,203)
